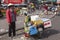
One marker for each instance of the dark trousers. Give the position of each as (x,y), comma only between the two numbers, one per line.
(12,28)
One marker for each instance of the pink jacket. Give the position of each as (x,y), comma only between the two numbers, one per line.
(8,15)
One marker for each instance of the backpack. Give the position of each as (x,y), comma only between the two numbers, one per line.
(33,30)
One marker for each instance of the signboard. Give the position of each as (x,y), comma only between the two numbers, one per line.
(47,24)
(13,1)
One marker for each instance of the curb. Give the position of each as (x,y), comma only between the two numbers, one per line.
(7,31)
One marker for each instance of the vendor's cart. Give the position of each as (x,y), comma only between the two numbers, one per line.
(46,23)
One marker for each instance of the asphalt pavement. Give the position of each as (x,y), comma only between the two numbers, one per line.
(20,22)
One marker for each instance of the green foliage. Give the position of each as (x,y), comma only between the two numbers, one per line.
(4,13)
(18,12)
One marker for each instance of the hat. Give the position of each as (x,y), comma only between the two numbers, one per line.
(10,4)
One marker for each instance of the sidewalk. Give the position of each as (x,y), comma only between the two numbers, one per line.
(19,22)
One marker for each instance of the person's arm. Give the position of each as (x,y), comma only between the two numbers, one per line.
(15,12)
(8,16)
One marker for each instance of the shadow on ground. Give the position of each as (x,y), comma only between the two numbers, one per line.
(45,34)
(48,33)
(58,14)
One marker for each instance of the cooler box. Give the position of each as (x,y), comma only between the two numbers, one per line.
(36,19)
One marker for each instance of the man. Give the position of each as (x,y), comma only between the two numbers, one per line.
(11,19)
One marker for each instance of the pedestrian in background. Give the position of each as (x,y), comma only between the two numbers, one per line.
(11,19)
(32,7)
(45,8)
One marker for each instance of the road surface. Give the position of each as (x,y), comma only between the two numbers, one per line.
(53,35)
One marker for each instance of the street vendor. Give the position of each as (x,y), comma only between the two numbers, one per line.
(33,31)
(27,19)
